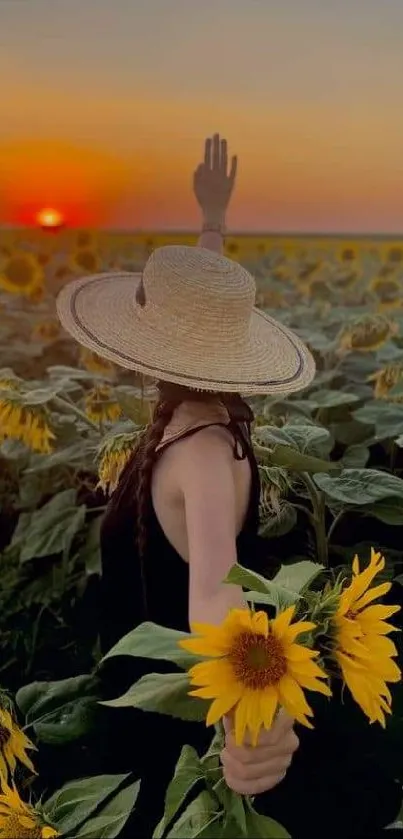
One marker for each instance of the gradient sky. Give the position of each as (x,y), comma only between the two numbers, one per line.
(105,105)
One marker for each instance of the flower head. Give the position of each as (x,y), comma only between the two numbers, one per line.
(86,260)
(360,646)
(101,405)
(21,274)
(114,454)
(48,330)
(13,746)
(367,333)
(386,379)
(95,364)
(28,424)
(19,820)
(256,666)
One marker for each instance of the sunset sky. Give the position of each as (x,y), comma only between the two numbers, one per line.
(105,105)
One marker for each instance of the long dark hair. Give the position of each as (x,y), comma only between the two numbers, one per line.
(135,481)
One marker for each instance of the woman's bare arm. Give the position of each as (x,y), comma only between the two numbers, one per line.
(205,474)
(213,185)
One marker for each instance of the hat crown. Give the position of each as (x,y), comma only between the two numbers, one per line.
(203,290)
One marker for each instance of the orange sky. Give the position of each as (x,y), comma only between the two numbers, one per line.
(105,107)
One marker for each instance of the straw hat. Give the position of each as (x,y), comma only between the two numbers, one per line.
(195,326)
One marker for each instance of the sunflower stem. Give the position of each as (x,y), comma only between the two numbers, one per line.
(318,518)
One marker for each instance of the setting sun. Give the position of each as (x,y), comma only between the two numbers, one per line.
(48,217)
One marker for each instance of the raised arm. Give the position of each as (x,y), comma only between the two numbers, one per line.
(213,185)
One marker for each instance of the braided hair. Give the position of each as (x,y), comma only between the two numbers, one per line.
(133,490)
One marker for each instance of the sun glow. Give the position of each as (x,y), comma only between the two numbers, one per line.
(50,218)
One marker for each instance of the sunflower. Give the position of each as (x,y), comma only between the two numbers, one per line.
(19,820)
(386,379)
(13,746)
(86,260)
(256,667)
(345,276)
(48,330)
(348,253)
(28,424)
(360,646)
(101,405)
(388,290)
(21,274)
(367,333)
(95,364)
(113,456)
(85,239)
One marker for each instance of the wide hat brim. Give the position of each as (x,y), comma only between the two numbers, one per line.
(101,314)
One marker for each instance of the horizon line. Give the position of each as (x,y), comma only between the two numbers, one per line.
(196,232)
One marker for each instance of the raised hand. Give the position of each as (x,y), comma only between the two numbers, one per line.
(213,184)
(250,770)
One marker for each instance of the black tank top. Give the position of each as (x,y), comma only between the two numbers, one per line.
(334,785)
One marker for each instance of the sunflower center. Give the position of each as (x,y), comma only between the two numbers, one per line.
(5,735)
(258,662)
(13,827)
(20,272)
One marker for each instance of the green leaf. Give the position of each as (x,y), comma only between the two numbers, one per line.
(51,529)
(111,819)
(399,441)
(283,590)
(331,398)
(199,819)
(188,772)
(75,455)
(39,698)
(356,457)
(263,827)
(233,803)
(70,806)
(290,458)
(389,511)
(62,711)
(360,486)
(298,576)
(133,406)
(249,580)
(163,694)
(385,416)
(149,640)
(90,551)
(306,438)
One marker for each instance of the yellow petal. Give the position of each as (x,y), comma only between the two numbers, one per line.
(281,622)
(296,629)
(291,695)
(221,706)
(296,652)
(241,718)
(373,594)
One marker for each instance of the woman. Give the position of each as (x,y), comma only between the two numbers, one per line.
(187,503)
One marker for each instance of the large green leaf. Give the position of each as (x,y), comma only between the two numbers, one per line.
(149,640)
(51,529)
(263,827)
(385,416)
(200,819)
(111,819)
(59,712)
(331,398)
(290,458)
(163,694)
(283,590)
(360,486)
(70,806)
(188,772)
(388,510)
(305,438)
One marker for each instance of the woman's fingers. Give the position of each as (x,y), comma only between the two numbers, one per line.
(224,156)
(271,767)
(233,171)
(207,152)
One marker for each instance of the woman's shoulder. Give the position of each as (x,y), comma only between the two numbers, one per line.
(193,415)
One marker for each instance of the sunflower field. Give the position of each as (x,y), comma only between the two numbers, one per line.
(331,466)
